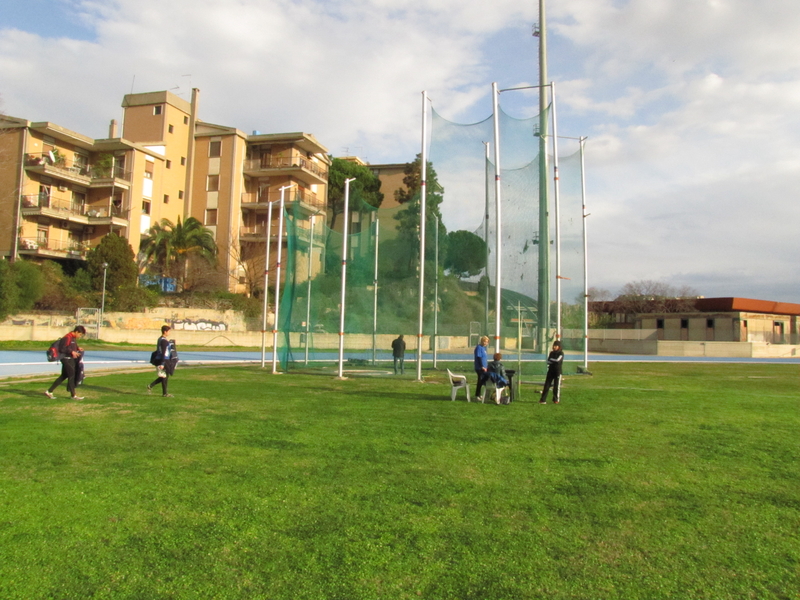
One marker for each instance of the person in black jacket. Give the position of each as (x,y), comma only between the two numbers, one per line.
(163,348)
(70,354)
(399,353)
(555,360)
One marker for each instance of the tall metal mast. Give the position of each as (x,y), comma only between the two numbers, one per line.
(543,302)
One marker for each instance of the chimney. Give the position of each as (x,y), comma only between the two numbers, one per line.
(112,129)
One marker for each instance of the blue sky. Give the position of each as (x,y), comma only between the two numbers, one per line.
(690,106)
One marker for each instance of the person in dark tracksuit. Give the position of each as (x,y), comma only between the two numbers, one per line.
(555,360)
(70,355)
(163,370)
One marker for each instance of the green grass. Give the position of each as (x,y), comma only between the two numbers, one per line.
(649,481)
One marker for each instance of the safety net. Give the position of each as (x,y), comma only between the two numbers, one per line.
(382,266)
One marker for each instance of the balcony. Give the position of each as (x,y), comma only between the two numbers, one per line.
(45,247)
(257,233)
(47,205)
(55,165)
(256,201)
(304,169)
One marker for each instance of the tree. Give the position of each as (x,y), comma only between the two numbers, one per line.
(649,296)
(365,190)
(8,290)
(117,253)
(466,254)
(168,248)
(29,282)
(121,274)
(408,226)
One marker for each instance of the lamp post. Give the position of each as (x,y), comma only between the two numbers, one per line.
(103,301)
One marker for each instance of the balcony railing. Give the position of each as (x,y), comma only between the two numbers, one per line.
(49,160)
(45,245)
(66,207)
(52,203)
(291,195)
(286,162)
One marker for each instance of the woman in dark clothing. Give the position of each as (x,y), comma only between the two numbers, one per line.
(555,360)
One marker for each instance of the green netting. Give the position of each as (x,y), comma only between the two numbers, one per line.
(458,309)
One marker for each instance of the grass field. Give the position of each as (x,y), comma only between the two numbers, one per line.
(649,481)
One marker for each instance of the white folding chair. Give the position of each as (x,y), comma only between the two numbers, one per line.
(457,382)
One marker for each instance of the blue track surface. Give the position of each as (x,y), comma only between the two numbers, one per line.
(25,363)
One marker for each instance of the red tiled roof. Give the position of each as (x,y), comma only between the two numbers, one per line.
(747,305)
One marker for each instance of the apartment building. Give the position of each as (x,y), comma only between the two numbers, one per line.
(61,192)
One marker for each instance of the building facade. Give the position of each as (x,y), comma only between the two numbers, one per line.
(61,192)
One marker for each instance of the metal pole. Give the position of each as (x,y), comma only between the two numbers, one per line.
(519,348)
(486,241)
(498,226)
(268,234)
(375,298)
(436,293)
(543,301)
(559,277)
(423,192)
(344,271)
(585,265)
(278,281)
(308,288)
(103,301)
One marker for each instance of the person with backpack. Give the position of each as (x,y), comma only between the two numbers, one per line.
(69,354)
(164,362)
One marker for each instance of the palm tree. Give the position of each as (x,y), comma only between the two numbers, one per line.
(168,247)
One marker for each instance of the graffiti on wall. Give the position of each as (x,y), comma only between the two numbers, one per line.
(198,325)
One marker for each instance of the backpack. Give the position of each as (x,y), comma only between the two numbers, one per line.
(54,351)
(156,358)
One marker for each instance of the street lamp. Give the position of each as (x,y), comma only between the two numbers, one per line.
(103,301)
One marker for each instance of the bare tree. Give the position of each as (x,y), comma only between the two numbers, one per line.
(648,296)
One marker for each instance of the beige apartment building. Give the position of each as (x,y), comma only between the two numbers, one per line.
(61,192)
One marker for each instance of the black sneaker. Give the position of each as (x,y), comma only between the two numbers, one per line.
(542,401)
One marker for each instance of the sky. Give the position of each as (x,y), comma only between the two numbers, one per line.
(691,107)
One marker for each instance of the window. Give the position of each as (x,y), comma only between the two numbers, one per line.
(183,161)
(710,323)
(214,149)
(169,164)
(180,194)
(684,323)
(211,216)
(659,323)
(157,110)
(170,128)
(148,169)
(145,207)
(185,120)
(166,198)
(212,184)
